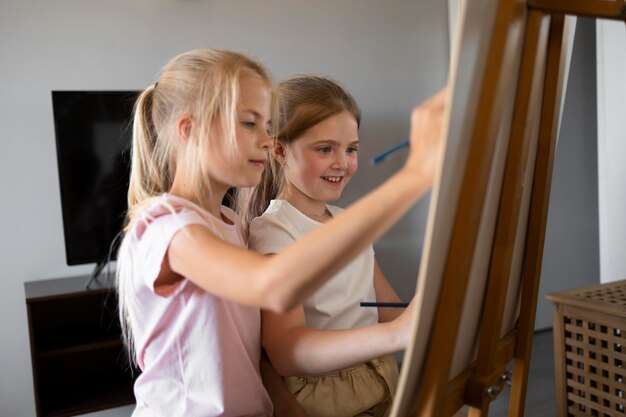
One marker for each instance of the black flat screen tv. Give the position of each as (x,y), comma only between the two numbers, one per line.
(93,131)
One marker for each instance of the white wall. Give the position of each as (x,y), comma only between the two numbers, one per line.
(389,55)
(611,69)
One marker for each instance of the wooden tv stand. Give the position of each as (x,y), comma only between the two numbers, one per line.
(79,362)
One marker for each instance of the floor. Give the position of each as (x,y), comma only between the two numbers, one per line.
(540,396)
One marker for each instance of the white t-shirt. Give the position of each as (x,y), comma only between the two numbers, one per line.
(199,353)
(336,304)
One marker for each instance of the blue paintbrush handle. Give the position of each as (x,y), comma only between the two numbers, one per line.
(386,154)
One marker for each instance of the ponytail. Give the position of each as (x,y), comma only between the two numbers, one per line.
(151,170)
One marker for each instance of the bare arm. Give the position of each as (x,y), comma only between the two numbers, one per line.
(385,293)
(296,349)
(270,282)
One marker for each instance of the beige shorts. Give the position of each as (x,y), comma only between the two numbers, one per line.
(362,390)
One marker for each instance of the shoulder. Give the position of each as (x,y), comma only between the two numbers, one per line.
(170,209)
(272,219)
(277,213)
(274,229)
(162,217)
(147,241)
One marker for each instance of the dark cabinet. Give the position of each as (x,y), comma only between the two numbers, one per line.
(79,362)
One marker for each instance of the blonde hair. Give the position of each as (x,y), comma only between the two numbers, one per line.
(204,85)
(303,102)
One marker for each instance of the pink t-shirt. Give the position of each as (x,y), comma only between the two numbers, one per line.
(199,353)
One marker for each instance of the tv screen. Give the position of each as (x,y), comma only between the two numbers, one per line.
(93,131)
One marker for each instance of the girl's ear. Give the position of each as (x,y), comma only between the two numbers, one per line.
(183,127)
(279,151)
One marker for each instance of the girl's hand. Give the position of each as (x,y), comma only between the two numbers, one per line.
(427,125)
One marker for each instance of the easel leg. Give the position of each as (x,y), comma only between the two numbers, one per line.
(538,213)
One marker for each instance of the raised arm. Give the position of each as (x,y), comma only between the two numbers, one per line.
(282,281)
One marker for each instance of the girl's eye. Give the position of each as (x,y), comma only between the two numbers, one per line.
(248,125)
(352,149)
(325,149)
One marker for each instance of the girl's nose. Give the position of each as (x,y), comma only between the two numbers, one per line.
(265,140)
(340,161)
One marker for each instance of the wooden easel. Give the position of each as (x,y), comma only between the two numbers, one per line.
(532,142)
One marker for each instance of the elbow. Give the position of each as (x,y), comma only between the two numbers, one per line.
(278,303)
(278,290)
(276,295)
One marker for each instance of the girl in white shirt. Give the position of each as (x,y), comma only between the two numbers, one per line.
(333,366)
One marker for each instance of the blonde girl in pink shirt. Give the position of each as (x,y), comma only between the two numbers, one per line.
(189,289)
